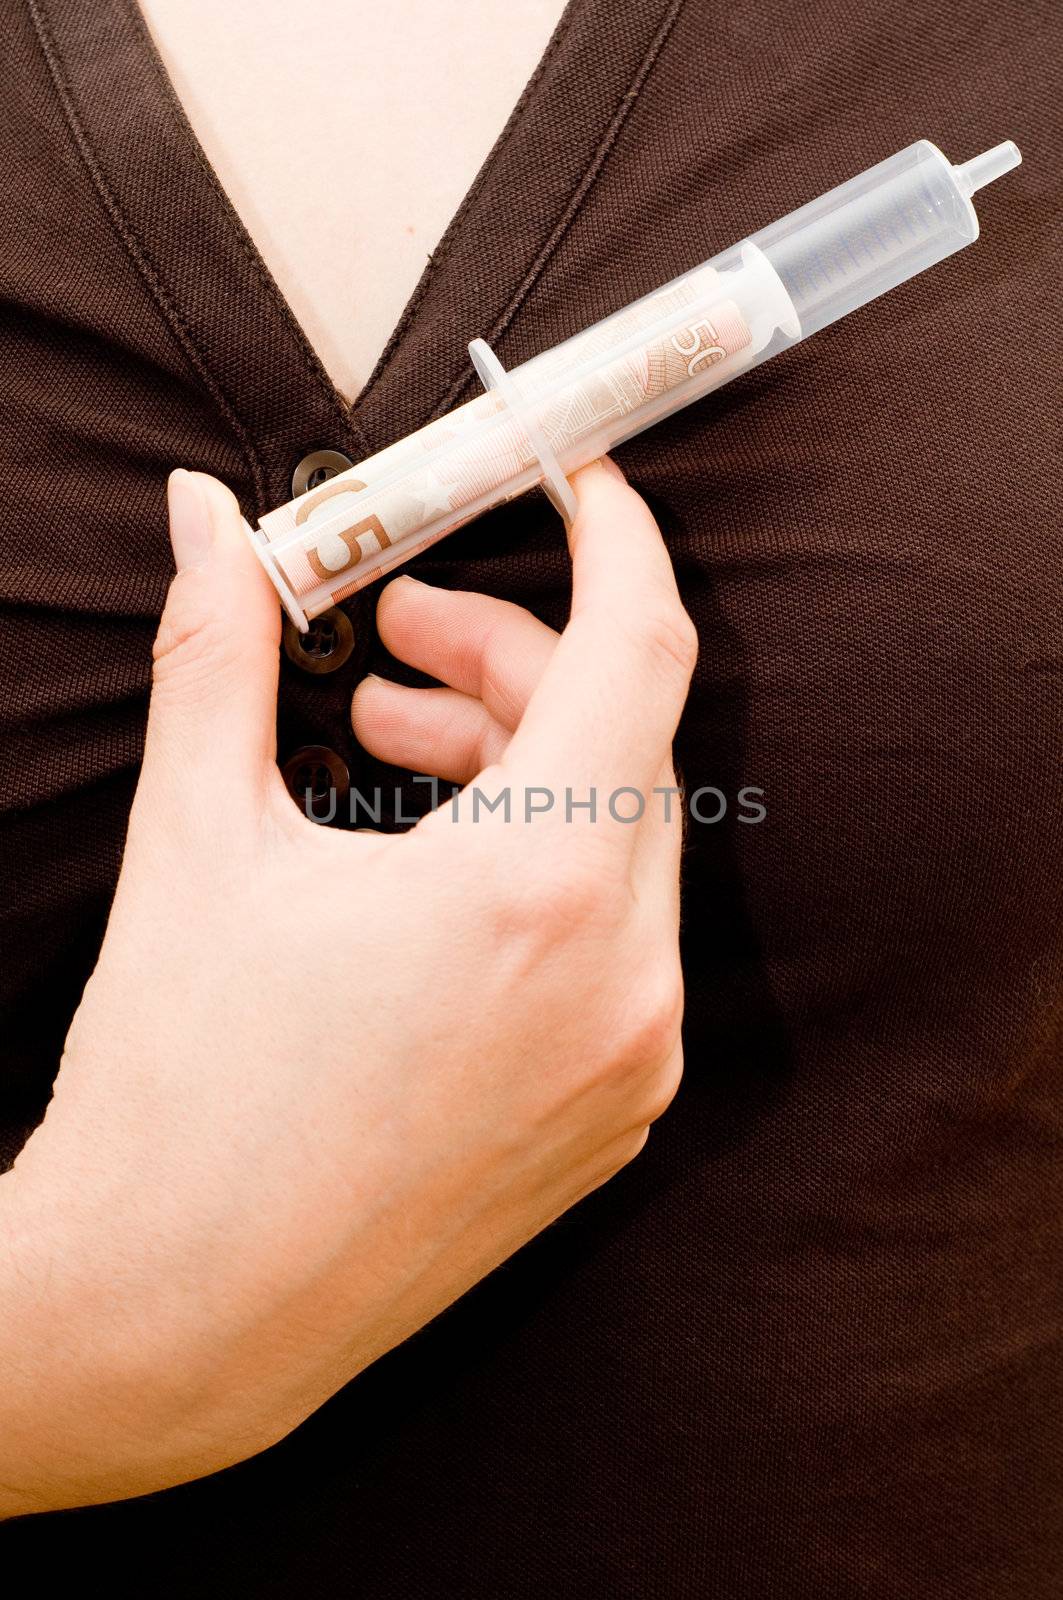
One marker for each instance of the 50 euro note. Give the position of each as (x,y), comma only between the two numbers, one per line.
(595,389)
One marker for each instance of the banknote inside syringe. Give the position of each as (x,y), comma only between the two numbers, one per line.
(586,394)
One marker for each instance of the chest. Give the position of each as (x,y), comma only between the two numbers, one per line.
(346,136)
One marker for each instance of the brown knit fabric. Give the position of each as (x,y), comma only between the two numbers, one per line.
(811,1343)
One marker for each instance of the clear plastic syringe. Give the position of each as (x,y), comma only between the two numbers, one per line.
(543,419)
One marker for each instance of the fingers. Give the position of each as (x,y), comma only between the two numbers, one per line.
(605,710)
(491,654)
(473,642)
(610,715)
(438,732)
(212,718)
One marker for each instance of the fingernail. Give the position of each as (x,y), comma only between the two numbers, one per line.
(610,466)
(191,534)
(405,577)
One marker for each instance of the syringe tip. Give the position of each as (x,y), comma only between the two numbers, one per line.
(980,170)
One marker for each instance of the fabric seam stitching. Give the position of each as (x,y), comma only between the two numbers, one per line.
(140,257)
(237,228)
(583,187)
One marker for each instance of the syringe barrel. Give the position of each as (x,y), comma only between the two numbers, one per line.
(564,407)
(780,285)
(870,234)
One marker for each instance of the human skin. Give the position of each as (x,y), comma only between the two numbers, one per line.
(278,1145)
(346,134)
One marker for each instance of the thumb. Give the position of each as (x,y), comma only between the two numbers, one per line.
(212,720)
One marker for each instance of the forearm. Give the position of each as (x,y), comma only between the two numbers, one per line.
(76,1425)
(143,1345)
(107,1391)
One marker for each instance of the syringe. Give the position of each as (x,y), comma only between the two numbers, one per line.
(540,421)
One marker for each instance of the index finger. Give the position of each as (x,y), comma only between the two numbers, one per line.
(605,711)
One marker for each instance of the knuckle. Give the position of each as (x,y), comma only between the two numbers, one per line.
(553,899)
(637,1144)
(670,636)
(464,737)
(651,1028)
(663,1087)
(612,1160)
(617,1155)
(193,640)
(631,1147)
(496,687)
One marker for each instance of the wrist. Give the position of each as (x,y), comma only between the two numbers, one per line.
(102,1398)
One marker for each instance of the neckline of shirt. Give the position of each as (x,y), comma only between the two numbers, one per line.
(213,288)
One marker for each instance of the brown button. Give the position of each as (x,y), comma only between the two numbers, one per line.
(317,468)
(317,780)
(326,644)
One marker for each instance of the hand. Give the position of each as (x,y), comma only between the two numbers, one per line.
(321,1081)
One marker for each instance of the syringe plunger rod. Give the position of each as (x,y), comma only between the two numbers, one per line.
(542,420)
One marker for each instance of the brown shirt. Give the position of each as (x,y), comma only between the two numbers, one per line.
(809,1345)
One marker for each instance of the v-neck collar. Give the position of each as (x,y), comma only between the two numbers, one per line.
(212,286)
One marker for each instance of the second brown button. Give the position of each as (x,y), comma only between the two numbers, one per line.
(325,645)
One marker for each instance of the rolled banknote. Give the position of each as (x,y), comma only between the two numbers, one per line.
(584,395)
(567,405)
